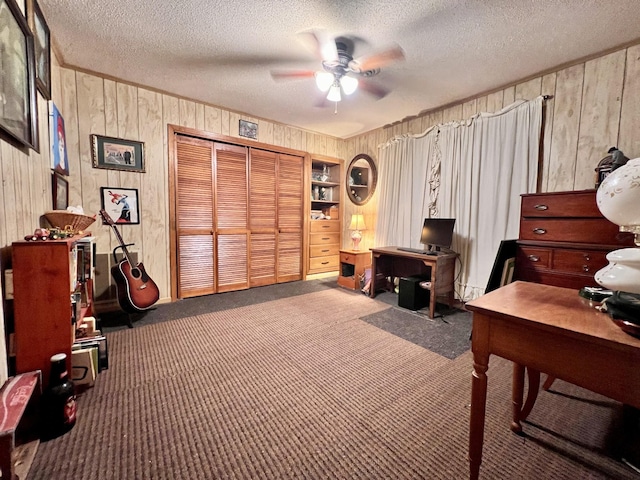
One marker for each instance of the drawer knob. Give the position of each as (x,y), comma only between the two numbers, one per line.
(325,238)
(323,251)
(534,258)
(585,268)
(587,257)
(325,263)
(539,231)
(541,206)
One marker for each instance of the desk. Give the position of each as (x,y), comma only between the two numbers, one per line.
(549,329)
(391,262)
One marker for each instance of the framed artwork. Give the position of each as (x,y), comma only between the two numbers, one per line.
(117,153)
(248,129)
(59,158)
(18,109)
(41,47)
(60,189)
(121,204)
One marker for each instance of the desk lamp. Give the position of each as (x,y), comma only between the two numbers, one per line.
(357,224)
(618,199)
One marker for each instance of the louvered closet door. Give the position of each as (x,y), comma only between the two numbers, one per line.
(290,217)
(232,234)
(262,217)
(194,217)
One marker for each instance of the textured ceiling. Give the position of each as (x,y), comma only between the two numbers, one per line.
(222,52)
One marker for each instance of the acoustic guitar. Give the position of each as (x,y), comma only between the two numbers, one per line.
(136,290)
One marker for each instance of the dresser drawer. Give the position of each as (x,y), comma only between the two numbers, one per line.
(559,279)
(324,250)
(580,230)
(562,204)
(585,262)
(324,238)
(530,257)
(318,226)
(327,263)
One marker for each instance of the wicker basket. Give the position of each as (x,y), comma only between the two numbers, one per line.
(69,221)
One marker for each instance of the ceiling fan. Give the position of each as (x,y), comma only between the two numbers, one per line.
(341,73)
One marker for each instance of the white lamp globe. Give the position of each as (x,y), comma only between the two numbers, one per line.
(618,197)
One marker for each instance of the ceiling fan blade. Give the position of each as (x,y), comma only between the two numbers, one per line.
(377,60)
(292,74)
(371,88)
(321,44)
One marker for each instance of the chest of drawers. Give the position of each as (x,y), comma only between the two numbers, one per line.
(564,239)
(324,246)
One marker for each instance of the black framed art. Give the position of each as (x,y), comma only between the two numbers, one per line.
(117,154)
(18,109)
(41,47)
(60,189)
(121,204)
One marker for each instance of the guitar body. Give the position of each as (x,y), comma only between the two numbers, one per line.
(136,290)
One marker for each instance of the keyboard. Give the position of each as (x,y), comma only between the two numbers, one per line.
(416,250)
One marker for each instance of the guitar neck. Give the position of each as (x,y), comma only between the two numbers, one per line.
(125,252)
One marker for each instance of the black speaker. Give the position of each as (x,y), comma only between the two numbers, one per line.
(411,295)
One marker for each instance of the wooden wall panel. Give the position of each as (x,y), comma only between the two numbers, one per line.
(600,116)
(529,90)
(629,135)
(69,111)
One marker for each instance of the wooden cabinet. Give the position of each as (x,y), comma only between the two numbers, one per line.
(564,239)
(46,275)
(352,266)
(325,233)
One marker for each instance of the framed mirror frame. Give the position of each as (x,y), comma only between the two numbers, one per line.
(362,177)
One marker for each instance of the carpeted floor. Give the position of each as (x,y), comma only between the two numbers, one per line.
(302,387)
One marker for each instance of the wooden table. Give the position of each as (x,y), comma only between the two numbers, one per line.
(440,269)
(553,330)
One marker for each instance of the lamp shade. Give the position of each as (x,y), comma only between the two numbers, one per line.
(618,197)
(357,222)
(334,93)
(349,84)
(324,80)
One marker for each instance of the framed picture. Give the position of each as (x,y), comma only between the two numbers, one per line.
(60,189)
(248,129)
(41,47)
(18,109)
(117,154)
(59,158)
(121,204)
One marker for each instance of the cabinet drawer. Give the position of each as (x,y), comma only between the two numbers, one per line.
(324,238)
(562,204)
(559,279)
(324,250)
(528,257)
(325,226)
(580,230)
(324,263)
(585,262)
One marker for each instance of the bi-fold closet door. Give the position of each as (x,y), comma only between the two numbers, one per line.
(239,217)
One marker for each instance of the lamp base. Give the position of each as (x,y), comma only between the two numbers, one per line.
(356,243)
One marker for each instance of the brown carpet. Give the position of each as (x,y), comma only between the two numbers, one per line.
(300,388)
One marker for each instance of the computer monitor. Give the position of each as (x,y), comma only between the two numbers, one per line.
(437,233)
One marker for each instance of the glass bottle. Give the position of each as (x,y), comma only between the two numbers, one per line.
(59,399)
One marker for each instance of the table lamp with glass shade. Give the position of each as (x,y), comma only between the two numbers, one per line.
(356,225)
(618,199)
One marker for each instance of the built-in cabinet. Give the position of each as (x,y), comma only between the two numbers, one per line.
(239,216)
(53,293)
(325,227)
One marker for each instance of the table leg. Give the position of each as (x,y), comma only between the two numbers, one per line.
(517,394)
(372,285)
(478,407)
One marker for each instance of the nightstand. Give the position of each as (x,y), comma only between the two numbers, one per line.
(352,266)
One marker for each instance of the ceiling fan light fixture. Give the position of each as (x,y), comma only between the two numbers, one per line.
(334,93)
(324,80)
(349,84)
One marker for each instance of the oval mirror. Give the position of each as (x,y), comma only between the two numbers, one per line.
(362,177)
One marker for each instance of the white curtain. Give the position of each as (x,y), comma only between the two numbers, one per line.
(473,171)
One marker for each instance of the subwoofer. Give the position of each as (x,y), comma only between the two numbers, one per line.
(411,295)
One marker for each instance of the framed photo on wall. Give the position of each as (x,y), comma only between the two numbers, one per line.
(41,46)
(59,158)
(248,129)
(121,204)
(117,154)
(60,189)
(19,113)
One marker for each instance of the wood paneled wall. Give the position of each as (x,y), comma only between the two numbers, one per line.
(595,105)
